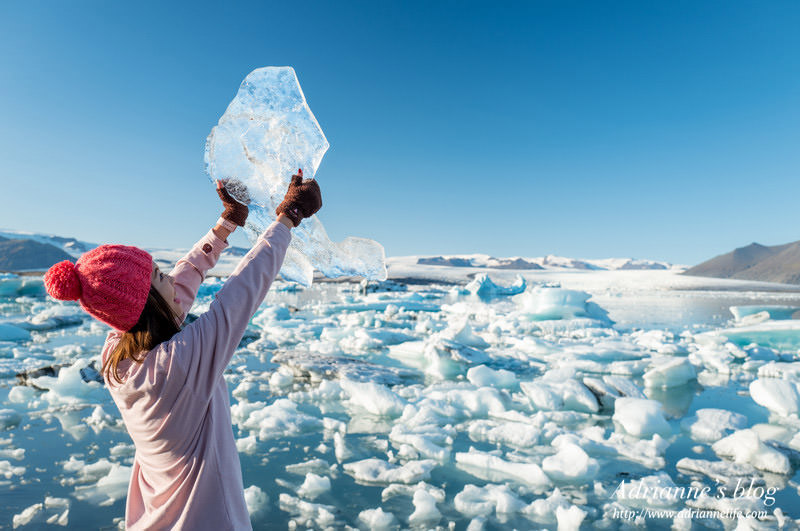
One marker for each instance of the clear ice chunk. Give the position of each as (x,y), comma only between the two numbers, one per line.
(265,135)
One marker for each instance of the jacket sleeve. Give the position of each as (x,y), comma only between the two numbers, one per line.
(190,271)
(205,347)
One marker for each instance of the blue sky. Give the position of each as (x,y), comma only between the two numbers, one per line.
(664,130)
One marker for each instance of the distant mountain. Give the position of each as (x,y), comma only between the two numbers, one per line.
(29,255)
(545,262)
(71,246)
(25,251)
(478,261)
(778,263)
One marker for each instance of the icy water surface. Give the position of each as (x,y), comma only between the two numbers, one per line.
(430,407)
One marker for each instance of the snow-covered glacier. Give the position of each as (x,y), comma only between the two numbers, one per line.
(267,132)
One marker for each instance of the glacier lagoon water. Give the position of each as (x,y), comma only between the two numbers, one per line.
(431,405)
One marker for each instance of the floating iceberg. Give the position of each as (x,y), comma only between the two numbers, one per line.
(265,135)
(545,303)
(485,288)
(773,312)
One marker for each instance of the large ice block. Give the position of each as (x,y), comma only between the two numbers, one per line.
(266,134)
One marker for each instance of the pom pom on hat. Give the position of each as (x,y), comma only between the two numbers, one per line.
(62,282)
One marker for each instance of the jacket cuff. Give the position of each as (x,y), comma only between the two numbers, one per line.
(205,253)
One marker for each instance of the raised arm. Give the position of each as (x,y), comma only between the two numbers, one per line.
(190,271)
(210,341)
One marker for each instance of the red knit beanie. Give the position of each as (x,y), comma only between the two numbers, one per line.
(112,283)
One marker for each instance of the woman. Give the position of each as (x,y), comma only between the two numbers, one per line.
(167,382)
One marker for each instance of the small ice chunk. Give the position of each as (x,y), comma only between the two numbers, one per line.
(779,396)
(283,377)
(493,468)
(69,387)
(543,510)
(555,395)
(8,471)
(641,417)
(247,445)
(671,373)
(710,424)
(313,486)
(570,465)
(425,511)
(482,501)
(256,499)
(570,519)
(515,434)
(306,513)
(431,442)
(28,515)
(374,398)
(265,135)
(109,488)
(377,471)
(377,519)
(279,419)
(483,376)
(464,334)
(745,446)
(56,510)
(319,466)
(721,471)
(624,386)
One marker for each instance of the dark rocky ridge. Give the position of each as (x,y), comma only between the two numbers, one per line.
(777,263)
(22,255)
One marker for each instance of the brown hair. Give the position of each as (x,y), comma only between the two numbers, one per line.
(158,323)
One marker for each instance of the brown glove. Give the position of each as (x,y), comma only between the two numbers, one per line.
(235,211)
(303,199)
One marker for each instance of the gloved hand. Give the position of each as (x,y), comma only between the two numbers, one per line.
(235,211)
(303,199)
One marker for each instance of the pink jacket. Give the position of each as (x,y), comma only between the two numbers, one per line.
(186,472)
